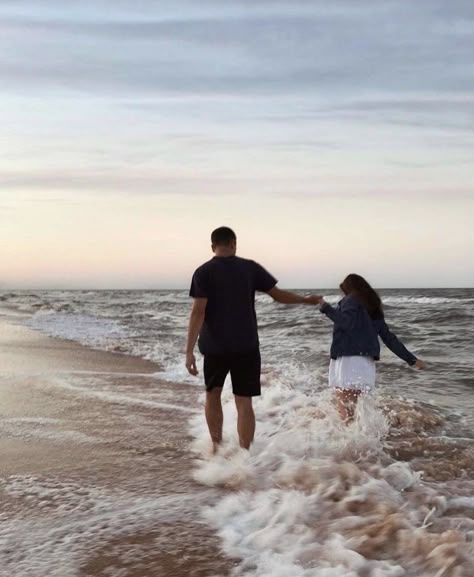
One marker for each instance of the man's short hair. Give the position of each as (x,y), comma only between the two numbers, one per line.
(223,236)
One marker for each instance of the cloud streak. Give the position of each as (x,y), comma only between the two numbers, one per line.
(264,51)
(250,110)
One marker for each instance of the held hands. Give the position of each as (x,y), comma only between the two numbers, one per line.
(191,364)
(314,299)
(420,364)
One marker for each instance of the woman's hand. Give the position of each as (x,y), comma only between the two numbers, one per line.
(420,364)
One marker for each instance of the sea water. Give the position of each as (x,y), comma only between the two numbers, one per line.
(389,496)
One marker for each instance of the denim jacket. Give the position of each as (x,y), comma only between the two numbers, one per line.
(356,333)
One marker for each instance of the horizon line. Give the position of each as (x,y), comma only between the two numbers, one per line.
(136,289)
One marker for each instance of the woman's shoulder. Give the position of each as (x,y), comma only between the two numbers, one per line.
(379,320)
(350,301)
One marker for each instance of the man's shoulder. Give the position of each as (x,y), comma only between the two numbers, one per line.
(248,262)
(244,264)
(251,266)
(204,266)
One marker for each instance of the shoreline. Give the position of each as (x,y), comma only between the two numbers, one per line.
(81,354)
(81,442)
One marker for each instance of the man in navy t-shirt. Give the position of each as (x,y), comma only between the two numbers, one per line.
(223,317)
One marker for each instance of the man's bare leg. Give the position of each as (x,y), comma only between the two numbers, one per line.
(245,421)
(214,416)
(346,404)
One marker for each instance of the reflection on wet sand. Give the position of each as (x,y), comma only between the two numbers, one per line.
(96,474)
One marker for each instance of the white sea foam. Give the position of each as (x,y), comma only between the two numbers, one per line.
(116,396)
(85,329)
(314,498)
(69,523)
(396,300)
(110,335)
(461,502)
(405,300)
(42,428)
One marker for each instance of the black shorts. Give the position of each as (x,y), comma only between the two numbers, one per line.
(244,371)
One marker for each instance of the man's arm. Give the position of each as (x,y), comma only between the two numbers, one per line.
(196,321)
(289,298)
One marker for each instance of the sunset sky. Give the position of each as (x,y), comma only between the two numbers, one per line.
(333,136)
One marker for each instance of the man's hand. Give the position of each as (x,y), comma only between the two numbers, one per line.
(191,364)
(196,321)
(420,364)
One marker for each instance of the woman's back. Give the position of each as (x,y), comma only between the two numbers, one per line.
(356,333)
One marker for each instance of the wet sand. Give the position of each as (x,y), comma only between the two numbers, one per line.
(94,479)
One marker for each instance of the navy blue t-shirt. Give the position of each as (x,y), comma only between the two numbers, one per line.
(229,284)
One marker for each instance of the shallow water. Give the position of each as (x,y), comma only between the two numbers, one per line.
(316,498)
(96,482)
(390,496)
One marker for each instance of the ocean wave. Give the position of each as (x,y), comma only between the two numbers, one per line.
(70,523)
(115,336)
(314,498)
(397,300)
(153,325)
(406,300)
(34,428)
(120,397)
(88,330)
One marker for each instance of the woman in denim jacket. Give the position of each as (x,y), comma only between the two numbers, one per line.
(358,323)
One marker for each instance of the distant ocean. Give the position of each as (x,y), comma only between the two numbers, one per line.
(391,496)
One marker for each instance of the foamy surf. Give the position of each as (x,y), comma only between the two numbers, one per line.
(314,498)
(69,523)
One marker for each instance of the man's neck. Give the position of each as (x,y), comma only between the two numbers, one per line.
(224,252)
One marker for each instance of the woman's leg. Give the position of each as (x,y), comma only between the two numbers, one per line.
(346,404)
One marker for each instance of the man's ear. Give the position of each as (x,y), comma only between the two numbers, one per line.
(213,246)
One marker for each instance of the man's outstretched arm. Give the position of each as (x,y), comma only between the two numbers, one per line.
(289,298)
(196,321)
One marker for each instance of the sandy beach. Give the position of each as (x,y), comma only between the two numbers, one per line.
(84,490)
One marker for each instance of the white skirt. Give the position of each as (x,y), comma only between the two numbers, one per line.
(354,373)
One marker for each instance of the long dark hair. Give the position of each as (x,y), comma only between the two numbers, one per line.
(357,286)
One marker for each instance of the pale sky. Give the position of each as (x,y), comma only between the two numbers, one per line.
(333,136)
